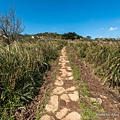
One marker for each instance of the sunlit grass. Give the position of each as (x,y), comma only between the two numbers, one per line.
(104,57)
(22,67)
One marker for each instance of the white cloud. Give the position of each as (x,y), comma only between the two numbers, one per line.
(112,29)
(101,37)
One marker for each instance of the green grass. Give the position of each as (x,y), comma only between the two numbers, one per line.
(104,57)
(22,67)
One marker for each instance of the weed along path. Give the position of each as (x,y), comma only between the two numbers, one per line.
(64,99)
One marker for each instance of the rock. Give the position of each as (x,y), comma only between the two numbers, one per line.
(69,73)
(99,100)
(69,68)
(59,82)
(103,96)
(47,117)
(63,70)
(71,88)
(63,74)
(58,77)
(53,104)
(67,61)
(58,90)
(74,96)
(62,113)
(65,97)
(73,116)
(70,78)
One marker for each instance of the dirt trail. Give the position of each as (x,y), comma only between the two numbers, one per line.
(63,104)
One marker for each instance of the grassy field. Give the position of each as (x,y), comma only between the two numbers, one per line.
(22,67)
(91,58)
(105,58)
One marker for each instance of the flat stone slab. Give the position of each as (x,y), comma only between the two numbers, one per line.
(73,116)
(53,104)
(65,97)
(63,70)
(69,73)
(58,90)
(59,82)
(70,78)
(74,96)
(62,113)
(63,75)
(69,68)
(67,61)
(58,78)
(71,89)
(47,117)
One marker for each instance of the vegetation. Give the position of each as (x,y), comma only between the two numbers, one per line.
(71,36)
(86,112)
(10,26)
(105,58)
(22,67)
(24,63)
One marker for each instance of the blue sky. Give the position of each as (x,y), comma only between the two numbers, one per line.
(96,18)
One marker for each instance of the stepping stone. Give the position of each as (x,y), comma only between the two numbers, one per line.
(65,97)
(47,117)
(67,61)
(63,70)
(71,89)
(58,90)
(69,68)
(53,104)
(70,78)
(69,73)
(59,82)
(58,78)
(74,96)
(62,113)
(63,75)
(73,116)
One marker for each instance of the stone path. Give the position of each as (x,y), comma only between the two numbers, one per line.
(63,104)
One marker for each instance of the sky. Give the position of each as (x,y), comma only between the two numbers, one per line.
(95,18)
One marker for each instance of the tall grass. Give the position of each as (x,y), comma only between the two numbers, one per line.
(105,58)
(22,67)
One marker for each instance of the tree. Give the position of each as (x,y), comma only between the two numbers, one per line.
(88,37)
(71,35)
(10,26)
